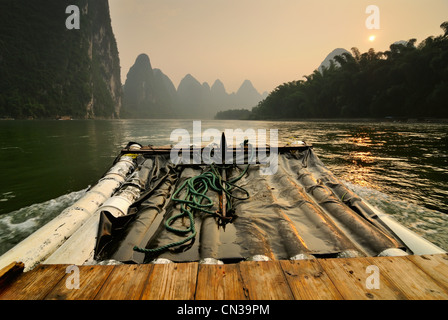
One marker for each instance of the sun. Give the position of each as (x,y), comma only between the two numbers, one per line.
(372,38)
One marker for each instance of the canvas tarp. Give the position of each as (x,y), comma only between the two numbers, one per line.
(301,209)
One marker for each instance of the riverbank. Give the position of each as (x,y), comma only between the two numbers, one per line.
(349,120)
(357,120)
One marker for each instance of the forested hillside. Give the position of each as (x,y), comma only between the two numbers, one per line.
(409,80)
(47,70)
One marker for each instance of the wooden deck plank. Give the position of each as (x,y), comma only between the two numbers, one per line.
(91,279)
(411,280)
(408,277)
(173,281)
(220,282)
(436,266)
(8,273)
(35,284)
(265,280)
(350,276)
(126,282)
(308,281)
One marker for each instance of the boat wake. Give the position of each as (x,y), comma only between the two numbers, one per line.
(17,225)
(429,224)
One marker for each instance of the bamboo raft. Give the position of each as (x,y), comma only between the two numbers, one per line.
(323,241)
(401,278)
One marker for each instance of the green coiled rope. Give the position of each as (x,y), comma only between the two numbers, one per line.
(196,199)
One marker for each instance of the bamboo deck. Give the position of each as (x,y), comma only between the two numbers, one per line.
(402,278)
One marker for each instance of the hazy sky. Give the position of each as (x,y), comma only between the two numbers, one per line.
(266,41)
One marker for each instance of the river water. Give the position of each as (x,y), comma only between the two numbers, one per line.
(401,168)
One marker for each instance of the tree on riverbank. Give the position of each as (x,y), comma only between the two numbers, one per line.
(233,114)
(408,80)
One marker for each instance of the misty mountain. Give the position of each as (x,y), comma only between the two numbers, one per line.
(193,98)
(147,92)
(166,86)
(330,57)
(220,99)
(264,95)
(203,101)
(218,91)
(247,96)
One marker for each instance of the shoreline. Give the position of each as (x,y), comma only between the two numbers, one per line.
(353,120)
(347,120)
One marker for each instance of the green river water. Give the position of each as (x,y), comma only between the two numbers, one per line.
(401,168)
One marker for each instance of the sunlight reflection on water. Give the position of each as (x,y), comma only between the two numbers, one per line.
(399,167)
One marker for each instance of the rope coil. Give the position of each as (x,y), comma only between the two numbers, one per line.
(196,200)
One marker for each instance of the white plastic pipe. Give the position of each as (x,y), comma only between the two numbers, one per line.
(80,248)
(42,243)
(417,244)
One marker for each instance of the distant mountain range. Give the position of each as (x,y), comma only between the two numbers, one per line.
(49,72)
(149,93)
